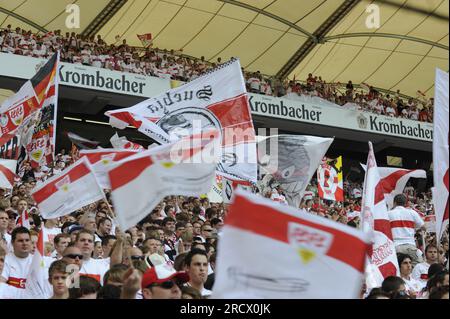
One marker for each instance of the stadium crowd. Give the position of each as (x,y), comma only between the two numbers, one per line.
(172,252)
(93,51)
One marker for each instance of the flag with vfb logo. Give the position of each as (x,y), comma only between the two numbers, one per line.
(330,182)
(140,182)
(272,251)
(376,223)
(101,159)
(68,191)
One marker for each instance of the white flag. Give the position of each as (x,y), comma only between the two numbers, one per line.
(122,143)
(440,152)
(393,180)
(291,160)
(72,189)
(272,251)
(37,285)
(216,100)
(376,223)
(101,159)
(141,181)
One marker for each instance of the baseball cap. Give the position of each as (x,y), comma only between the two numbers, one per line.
(74,227)
(162,273)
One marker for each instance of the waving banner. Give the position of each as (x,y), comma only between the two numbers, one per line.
(440,152)
(375,220)
(291,160)
(330,181)
(140,182)
(272,251)
(216,100)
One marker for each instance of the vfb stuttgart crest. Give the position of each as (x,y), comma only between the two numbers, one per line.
(63,184)
(309,241)
(328,179)
(16,115)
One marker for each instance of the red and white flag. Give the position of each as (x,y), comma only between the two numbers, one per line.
(393,180)
(217,100)
(82,142)
(440,152)
(101,159)
(72,189)
(376,223)
(229,186)
(272,251)
(141,181)
(7,173)
(24,219)
(123,143)
(146,39)
(37,286)
(330,180)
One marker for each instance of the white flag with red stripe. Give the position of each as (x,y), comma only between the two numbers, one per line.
(216,100)
(440,152)
(72,189)
(37,285)
(229,186)
(268,250)
(141,181)
(393,180)
(123,143)
(7,173)
(101,159)
(375,221)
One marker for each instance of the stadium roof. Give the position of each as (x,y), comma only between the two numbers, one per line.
(277,37)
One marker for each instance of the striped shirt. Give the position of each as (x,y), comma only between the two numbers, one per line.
(404,221)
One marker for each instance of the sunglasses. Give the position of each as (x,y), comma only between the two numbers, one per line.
(137,257)
(207,230)
(74,256)
(166,284)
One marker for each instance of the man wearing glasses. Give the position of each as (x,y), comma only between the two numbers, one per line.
(162,282)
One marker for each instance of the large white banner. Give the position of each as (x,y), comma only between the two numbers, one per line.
(217,100)
(440,151)
(325,113)
(87,77)
(267,250)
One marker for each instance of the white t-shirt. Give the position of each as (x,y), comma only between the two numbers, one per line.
(255,83)
(95,268)
(420,273)
(413,284)
(404,222)
(16,270)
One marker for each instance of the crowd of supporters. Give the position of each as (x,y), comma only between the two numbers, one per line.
(93,51)
(173,250)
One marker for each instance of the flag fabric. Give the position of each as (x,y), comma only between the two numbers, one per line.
(100,159)
(229,186)
(291,160)
(216,100)
(40,150)
(37,286)
(394,180)
(141,181)
(123,143)
(72,189)
(82,142)
(270,251)
(440,152)
(7,173)
(376,223)
(330,181)
(17,112)
(24,220)
(146,39)
(215,194)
